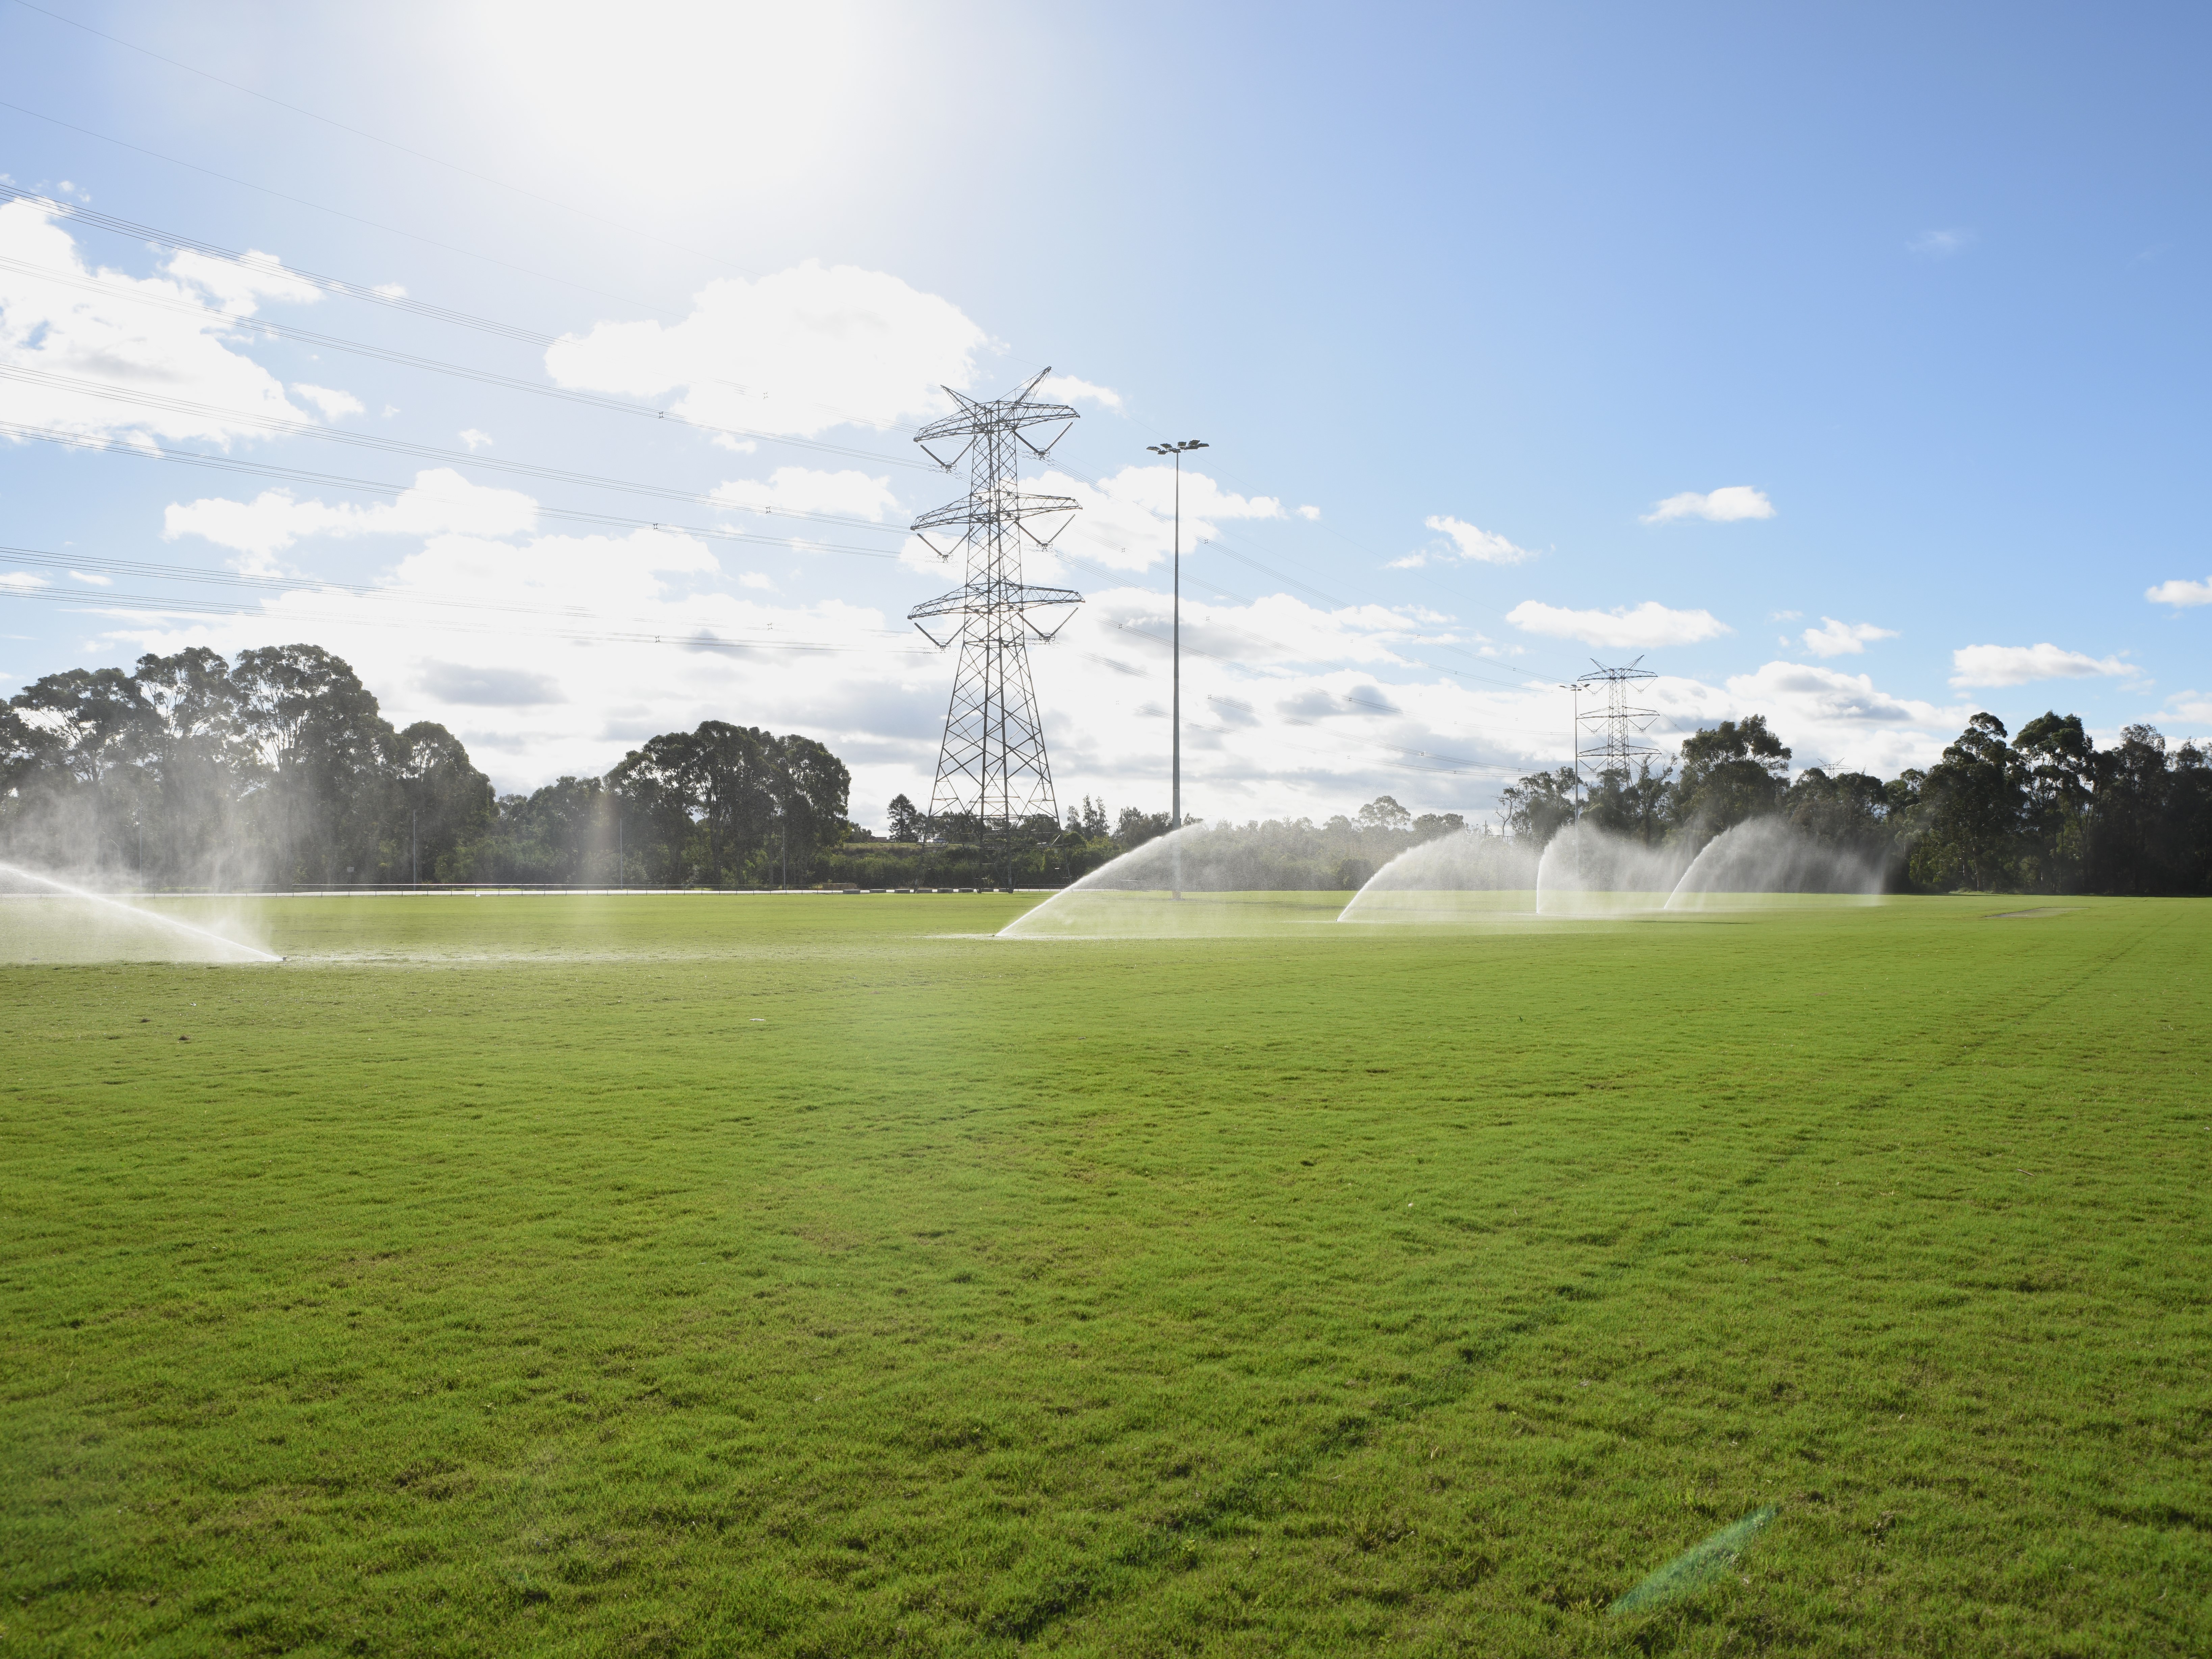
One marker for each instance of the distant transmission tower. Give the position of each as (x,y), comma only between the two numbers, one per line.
(1607,741)
(993,766)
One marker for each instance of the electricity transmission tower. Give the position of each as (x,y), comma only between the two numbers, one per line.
(993,767)
(1607,736)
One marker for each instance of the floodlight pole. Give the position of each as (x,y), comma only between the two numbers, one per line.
(1575,738)
(1175,721)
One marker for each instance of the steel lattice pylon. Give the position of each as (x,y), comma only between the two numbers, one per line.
(993,766)
(1617,727)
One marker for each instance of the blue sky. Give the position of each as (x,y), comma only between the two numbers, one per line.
(1900,310)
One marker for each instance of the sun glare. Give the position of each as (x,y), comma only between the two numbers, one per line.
(678,100)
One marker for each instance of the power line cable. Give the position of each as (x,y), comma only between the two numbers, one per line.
(378,138)
(40,558)
(385,294)
(69,439)
(703,639)
(406,360)
(112,392)
(358,290)
(443,313)
(339,213)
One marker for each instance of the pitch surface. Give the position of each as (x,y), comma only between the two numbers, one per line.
(790,1275)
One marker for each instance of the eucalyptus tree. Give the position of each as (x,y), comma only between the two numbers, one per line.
(1730,772)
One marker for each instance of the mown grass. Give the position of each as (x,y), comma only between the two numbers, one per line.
(772,1275)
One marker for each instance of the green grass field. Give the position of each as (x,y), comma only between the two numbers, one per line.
(811,1276)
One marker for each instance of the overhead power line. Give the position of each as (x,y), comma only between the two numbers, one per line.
(371,294)
(375,294)
(144,570)
(375,487)
(113,393)
(379,138)
(323,207)
(702,638)
(126,228)
(135,295)
(357,290)
(366,293)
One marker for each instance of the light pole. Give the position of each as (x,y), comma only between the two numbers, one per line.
(1574,739)
(1175,799)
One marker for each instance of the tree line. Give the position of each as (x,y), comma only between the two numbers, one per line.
(277,768)
(2044,811)
(1045,852)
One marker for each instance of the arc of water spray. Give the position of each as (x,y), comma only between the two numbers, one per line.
(75,891)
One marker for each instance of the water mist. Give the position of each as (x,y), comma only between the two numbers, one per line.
(96,926)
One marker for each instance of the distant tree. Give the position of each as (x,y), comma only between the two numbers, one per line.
(27,748)
(1134,828)
(1730,772)
(1849,810)
(653,787)
(809,793)
(1383,813)
(1539,806)
(448,803)
(1637,808)
(1430,825)
(954,829)
(325,751)
(98,714)
(194,751)
(2189,821)
(2131,801)
(1972,804)
(1093,822)
(905,819)
(2059,813)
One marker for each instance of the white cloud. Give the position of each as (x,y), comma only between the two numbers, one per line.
(754,579)
(1723,506)
(1067,389)
(1943,244)
(2195,706)
(797,353)
(62,328)
(848,494)
(440,501)
(1647,626)
(332,404)
(1839,639)
(1128,523)
(20,581)
(390,290)
(1309,512)
(93,580)
(1467,542)
(1827,694)
(2016,665)
(1290,707)
(238,286)
(667,641)
(475,439)
(1844,722)
(2180,594)
(1783,615)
